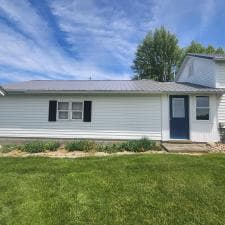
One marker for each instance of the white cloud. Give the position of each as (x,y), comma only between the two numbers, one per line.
(27,19)
(102,36)
(36,52)
(102,29)
(23,53)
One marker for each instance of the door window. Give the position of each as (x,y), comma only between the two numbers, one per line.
(178,108)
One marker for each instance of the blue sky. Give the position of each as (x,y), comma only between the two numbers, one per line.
(74,39)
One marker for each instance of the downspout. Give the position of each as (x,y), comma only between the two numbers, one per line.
(161,100)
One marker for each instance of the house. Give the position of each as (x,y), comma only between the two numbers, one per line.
(190,108)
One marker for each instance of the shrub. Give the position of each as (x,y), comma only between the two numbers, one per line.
(141,145)
(10,147)
(100,147)
(109,148)
(132,146)
(51,145)
(82,145)
(34,147)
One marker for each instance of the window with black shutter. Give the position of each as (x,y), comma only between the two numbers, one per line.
(52,111)
(87,111)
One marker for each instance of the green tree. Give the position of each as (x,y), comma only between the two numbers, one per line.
(156,56)
(220,51)
(196,47)
(210,49)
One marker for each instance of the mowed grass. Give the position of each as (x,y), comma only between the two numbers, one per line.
(139,189)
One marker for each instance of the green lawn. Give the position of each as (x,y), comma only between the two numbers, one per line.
(139,189)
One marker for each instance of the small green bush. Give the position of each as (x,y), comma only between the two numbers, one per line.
(34,147)
(141,145)
(10,147)
(82,145)
(109,148)
(51,145)
(100,147)
(114,148)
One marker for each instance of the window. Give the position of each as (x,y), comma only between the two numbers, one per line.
(202,107)
(178,108)
(77,109)
(70,110)
(63,110)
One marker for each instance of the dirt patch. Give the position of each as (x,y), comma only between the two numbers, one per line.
(62,153)
(75,154)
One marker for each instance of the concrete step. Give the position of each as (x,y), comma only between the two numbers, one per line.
(179,142)
(185,148)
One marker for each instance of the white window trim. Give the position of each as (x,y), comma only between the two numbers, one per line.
(63,110)
(209,108)
(70,110)
(82,110)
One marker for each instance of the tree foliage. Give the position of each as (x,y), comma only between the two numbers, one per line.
(159,52)
(156,56)
(196,47)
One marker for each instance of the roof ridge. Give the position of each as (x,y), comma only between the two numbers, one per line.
(207,56)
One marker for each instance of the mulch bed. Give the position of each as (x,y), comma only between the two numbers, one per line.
(61,153)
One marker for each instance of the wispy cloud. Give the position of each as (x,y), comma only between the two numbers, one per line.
(96,31)
(34,49)
(100,37)
(26,19)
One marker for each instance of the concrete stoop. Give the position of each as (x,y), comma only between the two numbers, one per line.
(185,148)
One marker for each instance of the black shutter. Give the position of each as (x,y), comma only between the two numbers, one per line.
(87,111)
(52,111)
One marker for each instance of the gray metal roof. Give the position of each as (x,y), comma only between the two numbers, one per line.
(208,56)
(106,86)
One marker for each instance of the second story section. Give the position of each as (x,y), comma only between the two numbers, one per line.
(203,69)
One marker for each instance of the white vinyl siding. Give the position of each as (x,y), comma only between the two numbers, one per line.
(200,131)
(203,72)
(220,83)
(220,75)
(204,130)
(113,117)
(221,109)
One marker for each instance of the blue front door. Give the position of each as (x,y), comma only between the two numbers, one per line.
(179,117)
